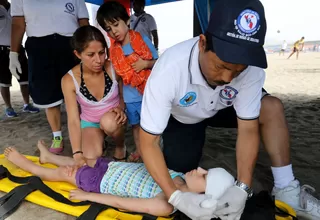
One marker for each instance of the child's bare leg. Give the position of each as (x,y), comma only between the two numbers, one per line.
(48,174)
(47,157)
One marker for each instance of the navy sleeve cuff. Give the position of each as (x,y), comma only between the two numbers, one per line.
(248,118)
(150,132)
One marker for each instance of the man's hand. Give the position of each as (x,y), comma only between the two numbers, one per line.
(121,117)
(139,65)
(14,64)
(189,204)
(231,205)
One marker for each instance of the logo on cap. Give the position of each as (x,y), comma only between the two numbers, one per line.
(248,22)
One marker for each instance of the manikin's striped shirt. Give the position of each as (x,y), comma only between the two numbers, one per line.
(131,180)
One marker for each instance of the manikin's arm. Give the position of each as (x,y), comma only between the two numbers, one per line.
(157,206)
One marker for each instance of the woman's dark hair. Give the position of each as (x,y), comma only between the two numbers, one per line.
(84,35)
(111,11)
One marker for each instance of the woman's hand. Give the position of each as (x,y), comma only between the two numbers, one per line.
(139,65)
(79,160)
(69,170)
(121,117)
(78,194)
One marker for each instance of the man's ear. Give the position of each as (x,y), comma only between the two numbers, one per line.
(202,42)
(128,22)
(202,171)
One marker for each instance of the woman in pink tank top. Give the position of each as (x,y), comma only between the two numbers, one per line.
(93,86)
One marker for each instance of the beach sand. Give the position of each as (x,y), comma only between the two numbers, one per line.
(295,82)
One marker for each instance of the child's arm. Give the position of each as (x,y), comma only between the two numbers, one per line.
(146,64)
(157,206)
(143,64)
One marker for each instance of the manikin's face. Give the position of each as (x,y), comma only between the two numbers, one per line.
(196,180)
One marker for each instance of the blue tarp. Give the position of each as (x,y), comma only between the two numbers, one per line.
(203,9)
(148,2)
(96,2)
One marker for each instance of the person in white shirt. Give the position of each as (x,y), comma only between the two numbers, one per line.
(5,75)
(217,80)
(49,26)
(144,23)
(283,48)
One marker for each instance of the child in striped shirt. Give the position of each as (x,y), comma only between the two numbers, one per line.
(122,185)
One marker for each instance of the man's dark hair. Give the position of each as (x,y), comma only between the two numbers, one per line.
(142,2)
(111,11)
(209,43)
(86,34)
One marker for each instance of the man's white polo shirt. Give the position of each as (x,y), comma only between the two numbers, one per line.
(48,17)
(176,87)
(5,26)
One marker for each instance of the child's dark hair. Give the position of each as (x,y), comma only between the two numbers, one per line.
(111,11)
(84,35)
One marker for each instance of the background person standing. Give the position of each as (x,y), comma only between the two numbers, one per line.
(144,23)
(49,26)
(283,48)
(5,75)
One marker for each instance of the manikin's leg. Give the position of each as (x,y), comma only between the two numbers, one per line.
(47,174)
(47,157)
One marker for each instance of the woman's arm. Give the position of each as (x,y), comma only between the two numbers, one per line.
(120,86)
(69,93)
(157,206)
(18,27)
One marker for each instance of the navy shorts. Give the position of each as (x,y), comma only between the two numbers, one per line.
(49,58)
(5,74)
(133,112)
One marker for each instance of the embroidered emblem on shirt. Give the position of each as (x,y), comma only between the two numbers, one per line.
(188,99)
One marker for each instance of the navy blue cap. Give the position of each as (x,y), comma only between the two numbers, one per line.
(238,29)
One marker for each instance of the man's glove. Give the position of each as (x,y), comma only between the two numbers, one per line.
(189,204)
(231,204)
(14,64)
